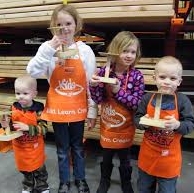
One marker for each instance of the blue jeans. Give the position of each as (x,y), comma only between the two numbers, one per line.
(148,183)
(69,138)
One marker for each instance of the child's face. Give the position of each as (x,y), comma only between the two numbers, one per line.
(24,94)
(67,21)
(128,56)
(167,78)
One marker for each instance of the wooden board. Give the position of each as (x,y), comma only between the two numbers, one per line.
(13,135)
(152,122)
(67,53)
(37,13)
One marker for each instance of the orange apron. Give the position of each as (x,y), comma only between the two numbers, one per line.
(5,146)
(28,150)
(160,152)
(117,129)
(66,98)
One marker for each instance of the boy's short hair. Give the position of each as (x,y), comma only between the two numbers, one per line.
(170,60)
(28,80)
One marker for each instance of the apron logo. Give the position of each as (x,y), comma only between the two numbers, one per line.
(112,118)
(68,88)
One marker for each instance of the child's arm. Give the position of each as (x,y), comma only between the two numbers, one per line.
(186,115)
(40,129)
(142,111)
(97,88)
(130,94)
(43,62)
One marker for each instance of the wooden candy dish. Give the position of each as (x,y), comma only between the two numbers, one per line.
(155,121)
(5,133)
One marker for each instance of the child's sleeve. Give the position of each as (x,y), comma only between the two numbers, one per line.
(41,128)
(130,95)
(186,115)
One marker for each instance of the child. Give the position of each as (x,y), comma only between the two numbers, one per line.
(29,149)
(160,159)
(67,105)
(118,103)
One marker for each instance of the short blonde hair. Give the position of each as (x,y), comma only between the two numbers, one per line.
(170,60)
(27,80)
(69,9)
(122,41)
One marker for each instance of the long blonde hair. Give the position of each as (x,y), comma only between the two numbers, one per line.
(123,40)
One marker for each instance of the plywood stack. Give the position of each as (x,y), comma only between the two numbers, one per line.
(13,67)
(25,13)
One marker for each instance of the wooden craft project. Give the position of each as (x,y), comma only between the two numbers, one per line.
(106,78)
(155,121)
(65,53)
(8,135)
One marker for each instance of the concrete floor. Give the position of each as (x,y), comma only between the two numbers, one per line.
(10,181)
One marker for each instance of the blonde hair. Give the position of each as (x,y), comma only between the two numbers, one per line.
(67,9)
(122,41)
(170,60)
(26,80)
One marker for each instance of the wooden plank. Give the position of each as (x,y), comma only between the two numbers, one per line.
(15,58)
(125,9)
(28,3)
(78,3)
(27,9)
(86,14)
(82,10)
(111,16)
(122,3)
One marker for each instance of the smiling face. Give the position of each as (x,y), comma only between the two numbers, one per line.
(67,17)
(126,45)
(128,56)
(168,76)
(67,22)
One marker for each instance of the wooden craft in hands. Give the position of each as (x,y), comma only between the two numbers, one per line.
(106,78)
(155,121)
(65,53)
(9,135)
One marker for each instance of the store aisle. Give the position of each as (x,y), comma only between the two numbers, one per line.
(10,178)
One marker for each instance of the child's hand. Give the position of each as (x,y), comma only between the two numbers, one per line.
(91,123)
(55,42)
(19,126)
(116,87)
(146,126)
(171,123)
(95,80)
(5,121)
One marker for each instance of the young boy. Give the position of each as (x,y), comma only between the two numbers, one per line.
(29,149)
(160,157)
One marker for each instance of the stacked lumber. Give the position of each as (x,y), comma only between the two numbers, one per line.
(6,100)
(15,66)
(12,67)
(23,13)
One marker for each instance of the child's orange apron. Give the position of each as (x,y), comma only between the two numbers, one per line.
(66,98)
(160,152)
(29,150)
(117,129)
(5,146)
